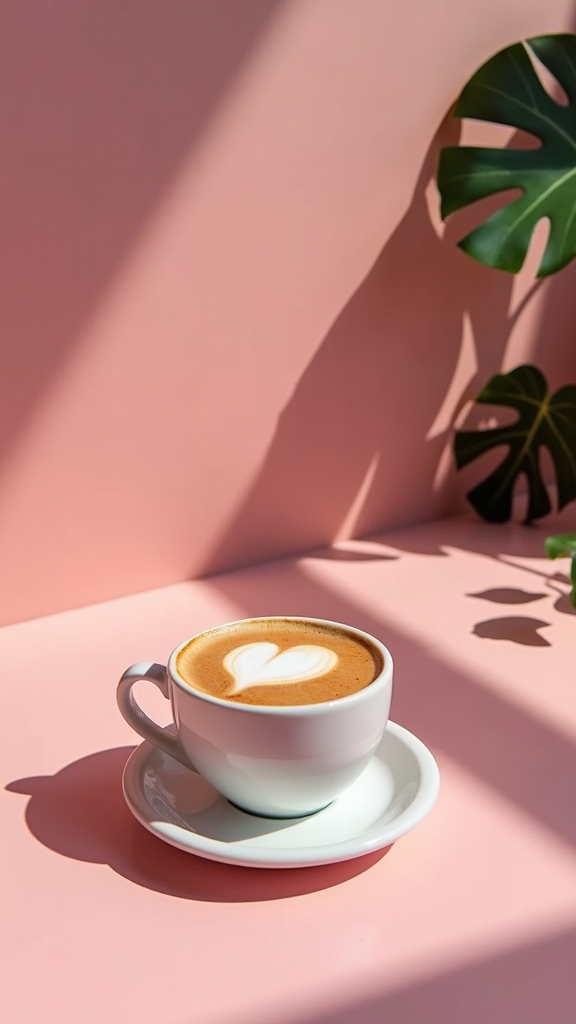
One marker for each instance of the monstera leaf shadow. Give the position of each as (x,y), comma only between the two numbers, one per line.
(518,629)
(508,595)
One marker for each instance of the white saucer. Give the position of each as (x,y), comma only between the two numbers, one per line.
(393,794)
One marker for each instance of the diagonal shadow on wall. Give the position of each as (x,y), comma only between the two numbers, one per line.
(382,372)
(100,104)
(381,375)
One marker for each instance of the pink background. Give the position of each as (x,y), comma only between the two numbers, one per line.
(469,919)
(231,330)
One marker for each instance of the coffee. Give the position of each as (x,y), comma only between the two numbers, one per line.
(278,662)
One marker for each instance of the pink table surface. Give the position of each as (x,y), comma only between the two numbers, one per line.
(470,918)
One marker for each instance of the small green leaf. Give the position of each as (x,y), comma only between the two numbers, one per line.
(544,420)
(563,545)
(507,90)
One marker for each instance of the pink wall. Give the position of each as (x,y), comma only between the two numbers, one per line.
(230,328)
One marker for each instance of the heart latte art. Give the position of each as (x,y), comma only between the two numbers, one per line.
(278,662)
(264,664)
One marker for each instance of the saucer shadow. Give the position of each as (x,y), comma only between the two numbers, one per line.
(80,813)
(519,629)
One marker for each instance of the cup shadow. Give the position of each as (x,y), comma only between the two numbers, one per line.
(80,813)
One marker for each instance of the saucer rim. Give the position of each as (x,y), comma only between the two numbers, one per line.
(369,841)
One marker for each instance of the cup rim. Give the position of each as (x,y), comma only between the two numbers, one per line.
(380,682)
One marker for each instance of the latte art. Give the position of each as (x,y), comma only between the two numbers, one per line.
(263,664)
(282,662)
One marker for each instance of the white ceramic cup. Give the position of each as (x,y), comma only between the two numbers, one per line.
(278,762)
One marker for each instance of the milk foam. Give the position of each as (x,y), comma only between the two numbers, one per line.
(262,664)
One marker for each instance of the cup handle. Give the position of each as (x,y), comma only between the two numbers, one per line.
(138,719)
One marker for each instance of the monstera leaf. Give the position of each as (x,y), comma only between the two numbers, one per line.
(563,545)
(543,420)
(508,91)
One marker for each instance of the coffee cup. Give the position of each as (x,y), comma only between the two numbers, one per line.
(280,714)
